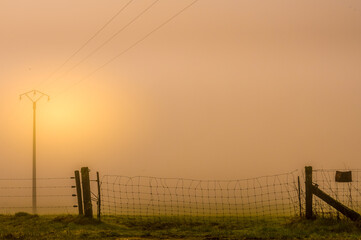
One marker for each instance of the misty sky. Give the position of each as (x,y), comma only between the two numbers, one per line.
(228,89)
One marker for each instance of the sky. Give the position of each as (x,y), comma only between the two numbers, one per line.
(226,90)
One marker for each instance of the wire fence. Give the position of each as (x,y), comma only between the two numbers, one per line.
(247,199)
(276,196)
(348,193)
(54,195)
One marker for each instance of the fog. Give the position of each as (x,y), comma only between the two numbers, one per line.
(226,90)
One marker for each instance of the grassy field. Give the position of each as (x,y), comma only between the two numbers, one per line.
(26,226)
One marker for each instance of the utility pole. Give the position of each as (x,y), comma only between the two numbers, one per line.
(34,96)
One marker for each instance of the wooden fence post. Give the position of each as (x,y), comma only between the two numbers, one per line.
(309,193)
(88,209)
(299,195)
(78,192)
(99,198)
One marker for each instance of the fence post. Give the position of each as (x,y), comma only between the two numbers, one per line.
(308,174)
(78,192)
(99,199)
(88,209)
(299,195)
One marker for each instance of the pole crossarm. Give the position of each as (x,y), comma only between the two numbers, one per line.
(34,95)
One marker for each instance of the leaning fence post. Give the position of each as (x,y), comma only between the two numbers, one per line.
(99,199)
(78,192)
(308,174)
(88,209)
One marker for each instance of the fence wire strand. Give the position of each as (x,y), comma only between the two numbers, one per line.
(54,195)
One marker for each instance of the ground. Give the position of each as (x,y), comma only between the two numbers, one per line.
(26,226)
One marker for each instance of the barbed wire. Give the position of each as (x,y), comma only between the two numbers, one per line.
(151,197)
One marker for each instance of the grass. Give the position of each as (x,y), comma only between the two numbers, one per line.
(27,226)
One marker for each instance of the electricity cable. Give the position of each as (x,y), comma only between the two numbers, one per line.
(109,39)
(130,47)
(87,42)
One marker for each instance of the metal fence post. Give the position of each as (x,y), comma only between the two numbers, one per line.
(99,198)
(88,209)
(308,174)
(299,195)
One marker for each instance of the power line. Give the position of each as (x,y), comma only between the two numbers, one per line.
(130,47)
(87,42)
(109,39)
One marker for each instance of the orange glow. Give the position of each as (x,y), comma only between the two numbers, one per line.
(227,89)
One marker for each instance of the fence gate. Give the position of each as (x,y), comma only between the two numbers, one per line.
(343,202)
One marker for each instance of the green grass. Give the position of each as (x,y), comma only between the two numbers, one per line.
(26,226)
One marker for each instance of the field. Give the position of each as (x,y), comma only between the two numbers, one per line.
(26,226)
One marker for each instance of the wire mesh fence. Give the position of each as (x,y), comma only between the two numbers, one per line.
(348,193)
(267,197)
(54,195)
(247,199)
